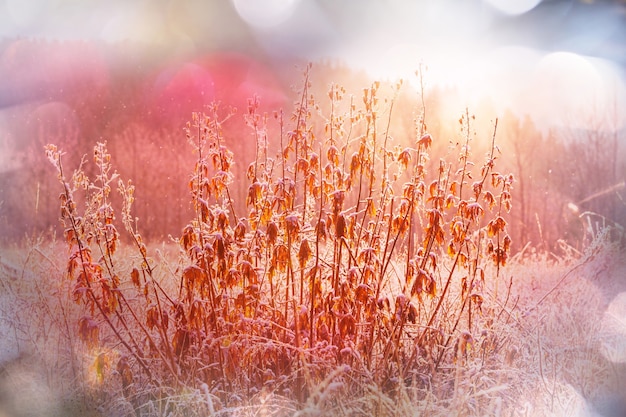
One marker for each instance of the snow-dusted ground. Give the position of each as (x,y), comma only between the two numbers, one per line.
(571,346)
(577,337)
(33,374)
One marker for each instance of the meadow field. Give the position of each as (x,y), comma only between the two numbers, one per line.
(347,255)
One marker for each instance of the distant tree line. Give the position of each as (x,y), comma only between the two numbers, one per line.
(75,94)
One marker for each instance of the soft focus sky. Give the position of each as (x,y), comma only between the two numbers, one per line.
(551,58)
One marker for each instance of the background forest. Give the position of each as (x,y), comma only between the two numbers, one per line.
(139,102)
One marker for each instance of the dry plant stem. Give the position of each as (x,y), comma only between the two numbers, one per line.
(169,361)
(317,269)
(433,229)
(367,162)
(227,188)
(563,278)
(379,284)
(419,169)
(288,276)
(420,74)
(107,255)
(345,146)
(372,168)
(171,365)
(304,207)
(90,291)
(385,262)
(506,300)
(298,134)
(146,268)
(466,301)
(344,306)
(498,260)
(465,155)
(466,229)
(199,147)
(282,148)
(437,308)
(385,177)
(395,239)
(468,296)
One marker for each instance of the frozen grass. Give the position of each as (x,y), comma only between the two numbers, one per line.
(556,355)
(359,277)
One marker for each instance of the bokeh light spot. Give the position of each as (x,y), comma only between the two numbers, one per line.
(613,330)
(514,7)
(265,14)
(565,86)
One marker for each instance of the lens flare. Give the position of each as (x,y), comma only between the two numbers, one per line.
(514,7)
(265,14)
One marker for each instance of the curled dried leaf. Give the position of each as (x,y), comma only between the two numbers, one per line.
(292,224)
(255,193)
(338,197)
(88,331)
(333,155)
(272,233)
(355,164)
(363,293)
(304,253)
(465,343)
(347,326)
(404,158)
(280,257)
(340,226)
(496,226)
(134,277)
(425,141)
(489,199)
(506,244)
(320,230)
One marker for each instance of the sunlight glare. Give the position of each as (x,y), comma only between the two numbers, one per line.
(555,89)
(139,24)
(444,70)
(565,86)
(464,73)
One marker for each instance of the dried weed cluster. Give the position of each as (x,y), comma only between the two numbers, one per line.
(359,264)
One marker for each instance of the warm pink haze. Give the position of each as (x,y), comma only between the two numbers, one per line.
(313,207)
(91,71)
(552,60)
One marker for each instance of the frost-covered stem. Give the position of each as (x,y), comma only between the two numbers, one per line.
(442,296)
(345,147)
(317,260)
(466,301)
(385,176)
(90,290)
(218,138)
(297,132)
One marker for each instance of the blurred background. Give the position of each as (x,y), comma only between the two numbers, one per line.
(131,72)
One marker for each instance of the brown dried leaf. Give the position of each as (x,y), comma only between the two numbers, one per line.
(404,158)
(425,141)
(363,293)
(134,277)
(305,253)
